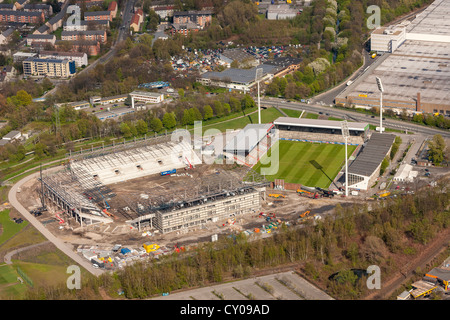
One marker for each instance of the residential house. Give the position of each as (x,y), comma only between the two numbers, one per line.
(113,8)
(19,4)
(6,35)
(136,21)
(7,73)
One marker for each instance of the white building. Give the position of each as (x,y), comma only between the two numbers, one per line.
(405,173)
(147,97)
(280,12)
(80,58)
(387,39)
(12,135)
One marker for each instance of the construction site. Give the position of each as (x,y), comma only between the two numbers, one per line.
(155,195)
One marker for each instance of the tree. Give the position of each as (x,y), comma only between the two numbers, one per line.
(207,112)
(169,120)
(156,124)
(125,130)
(141,127)
(436,149)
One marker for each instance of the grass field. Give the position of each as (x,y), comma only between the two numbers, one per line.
(310,164)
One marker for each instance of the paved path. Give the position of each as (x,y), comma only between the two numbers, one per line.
(9,255)
(12,196)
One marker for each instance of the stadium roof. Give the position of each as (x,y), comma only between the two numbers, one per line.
(318,123)
(247,138)
(372,154)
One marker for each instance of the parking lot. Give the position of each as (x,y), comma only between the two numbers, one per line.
(280,286)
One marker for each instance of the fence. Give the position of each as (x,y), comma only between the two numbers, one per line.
(24,276)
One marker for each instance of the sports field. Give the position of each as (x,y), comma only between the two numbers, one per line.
(310,164)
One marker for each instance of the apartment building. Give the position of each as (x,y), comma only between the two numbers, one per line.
(21,16)
(202,17)
(89,35)
(98,15)
(39,7)
(91,48)
(40,38)
(54,68)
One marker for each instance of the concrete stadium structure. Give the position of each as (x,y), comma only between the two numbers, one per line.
(139,162)
(365,169)
(316,130)
(91,188)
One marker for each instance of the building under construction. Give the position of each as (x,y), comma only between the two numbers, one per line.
(156,183)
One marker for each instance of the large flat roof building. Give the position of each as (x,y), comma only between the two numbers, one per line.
(415,73)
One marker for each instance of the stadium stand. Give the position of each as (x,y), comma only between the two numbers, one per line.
(135,163)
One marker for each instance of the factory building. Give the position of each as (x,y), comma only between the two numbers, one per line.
(414,68)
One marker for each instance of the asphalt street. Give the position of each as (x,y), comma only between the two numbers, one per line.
(12,197)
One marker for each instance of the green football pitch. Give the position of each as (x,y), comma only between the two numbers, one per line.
(310,164)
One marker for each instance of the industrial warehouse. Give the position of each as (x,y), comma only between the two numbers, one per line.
(414,66)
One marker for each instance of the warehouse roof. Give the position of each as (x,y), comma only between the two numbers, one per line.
(247,138)
(372,154)
(433,20)
(318,123)
(243,76)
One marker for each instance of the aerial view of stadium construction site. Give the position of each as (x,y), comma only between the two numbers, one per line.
(144,198)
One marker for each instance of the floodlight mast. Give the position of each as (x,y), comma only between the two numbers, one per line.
(257,80)
(345,135)
(381,89)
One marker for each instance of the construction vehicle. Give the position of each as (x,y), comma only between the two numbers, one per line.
(304,214)
(384,193)
(308,194)
(109,214)
(277,195)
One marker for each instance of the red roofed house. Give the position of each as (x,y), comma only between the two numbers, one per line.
(113,9)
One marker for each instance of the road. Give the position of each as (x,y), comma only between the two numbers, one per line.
(124,31)
(354,116)
(9,255)
(12,197)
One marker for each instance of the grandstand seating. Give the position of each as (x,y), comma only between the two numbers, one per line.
(138,162)
(313,136)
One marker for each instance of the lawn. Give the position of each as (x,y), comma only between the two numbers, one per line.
(310,164)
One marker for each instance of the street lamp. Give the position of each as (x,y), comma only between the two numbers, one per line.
(380,88)
(345,135)
(258,76)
